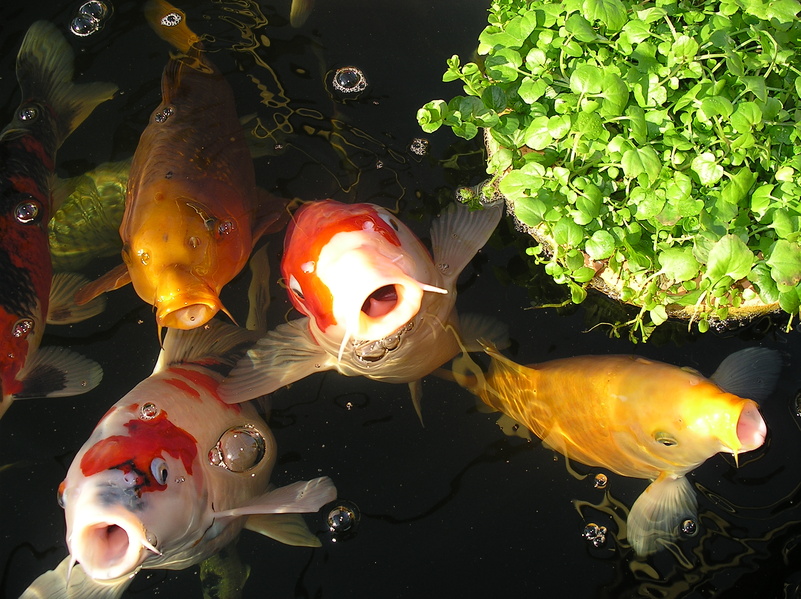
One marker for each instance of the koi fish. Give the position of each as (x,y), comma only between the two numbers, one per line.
(171,475)
(635,417)
(376,303)
(192,211)
(52,107)
(87,224)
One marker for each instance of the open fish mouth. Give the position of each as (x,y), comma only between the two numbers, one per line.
(110,548)
(374,351)
(751,428)
(381,301)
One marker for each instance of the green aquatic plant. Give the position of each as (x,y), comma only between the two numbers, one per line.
(652,148)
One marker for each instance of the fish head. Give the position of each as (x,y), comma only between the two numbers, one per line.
(355,269)
(142,492)
(703,421)
(132,493)
(179,255)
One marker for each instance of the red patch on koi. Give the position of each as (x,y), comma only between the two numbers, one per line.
(205,381)
(147,439)
(185,387)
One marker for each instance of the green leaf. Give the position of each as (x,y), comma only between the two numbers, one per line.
(615,93)
(537,134)
(707,168)
(522,181)
(430,116)
(600,246)
(580,28)
(746,116)
(611,13)
(679,264)
(729,257)
(738,186)
(587,79)
(790,301)
(567,233)
(785,263)
(641,160)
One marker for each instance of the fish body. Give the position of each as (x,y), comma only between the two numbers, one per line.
(87,225)
(376,302)
(193,210)
(636,417)
(52,107)
(171,474)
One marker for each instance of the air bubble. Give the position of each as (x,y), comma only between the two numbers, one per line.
(689,527)
(22,327)
(601,481)
(225,227)
(84,25)
(239,449)
(148,411)
(172,19)
(343,520)
(595,534)
(95,9)
(26,212)
(28,113)
(165,114)
(349,80)
(419,146)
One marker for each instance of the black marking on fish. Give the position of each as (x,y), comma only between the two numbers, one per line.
(42,380)
(18,296)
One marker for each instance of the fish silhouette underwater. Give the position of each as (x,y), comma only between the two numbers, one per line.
(635,417)
(52,107)
(193,211)
(171,475)
(376,302)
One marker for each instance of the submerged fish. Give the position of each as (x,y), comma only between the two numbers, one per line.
(193,211)
(171,475)
(636,417)
(87,225)
(376,303)
(52,107)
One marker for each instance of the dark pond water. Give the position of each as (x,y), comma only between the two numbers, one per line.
(454,509)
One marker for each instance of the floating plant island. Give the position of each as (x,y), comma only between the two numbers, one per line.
(651,149)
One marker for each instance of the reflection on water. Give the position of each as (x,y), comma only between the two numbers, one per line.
(454,508)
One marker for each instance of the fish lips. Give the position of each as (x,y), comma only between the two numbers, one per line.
(751,427)
(184,301)
(374,293)
(110,543)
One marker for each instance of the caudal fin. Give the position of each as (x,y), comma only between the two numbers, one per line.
(44,72)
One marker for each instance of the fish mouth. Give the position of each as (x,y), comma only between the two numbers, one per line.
(380,302)
(751,428)
(187,317)
(110,548)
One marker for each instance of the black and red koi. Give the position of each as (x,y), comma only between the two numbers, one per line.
(52,107)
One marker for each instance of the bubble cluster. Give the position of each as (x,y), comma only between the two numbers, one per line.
(349,80)
(90,18)
(595,534)
(22,327)
(419,146)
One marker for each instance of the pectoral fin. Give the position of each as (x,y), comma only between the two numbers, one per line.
(297,498)
(63,308)
(114,279)
(750,373)
(458,233)
(657,514)
(53,585)
(286,354)
(289,529)
(58,372)
(475,327)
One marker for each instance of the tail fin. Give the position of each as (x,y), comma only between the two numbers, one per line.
(44,72)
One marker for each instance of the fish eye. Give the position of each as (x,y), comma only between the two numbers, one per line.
(294,286)
(665,439)
(158,468)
